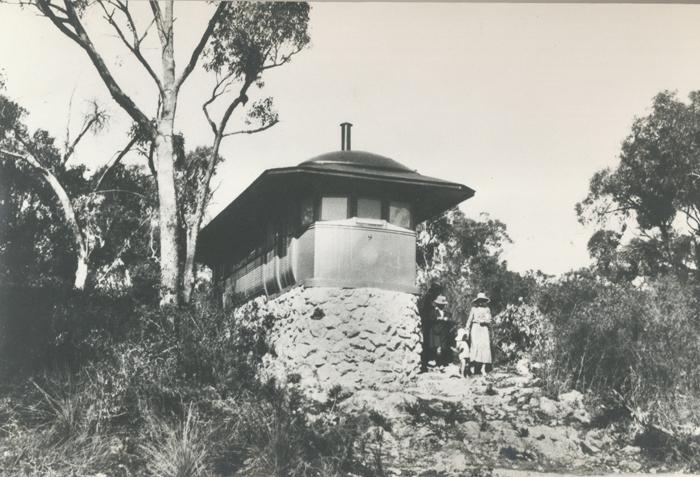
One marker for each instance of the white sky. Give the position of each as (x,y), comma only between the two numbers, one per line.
(521,102)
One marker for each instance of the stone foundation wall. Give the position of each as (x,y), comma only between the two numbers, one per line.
(356,338)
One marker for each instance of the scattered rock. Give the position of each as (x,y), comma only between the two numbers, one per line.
(549,407)
(588,448)
(631,450)
(572,399)
(437,423)
(582,416)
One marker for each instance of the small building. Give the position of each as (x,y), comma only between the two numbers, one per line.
(342,219)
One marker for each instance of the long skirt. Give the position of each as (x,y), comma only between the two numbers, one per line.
(480,350)
(439,334)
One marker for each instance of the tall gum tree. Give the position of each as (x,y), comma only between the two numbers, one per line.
(67,17)
(250,39)
(655,185)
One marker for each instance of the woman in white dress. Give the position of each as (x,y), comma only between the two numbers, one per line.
(478,326)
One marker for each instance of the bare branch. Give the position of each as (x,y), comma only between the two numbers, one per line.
(95,121)
(127,244)
(253,131)
(120,191)
(285,59)
(86,127)
(157,15)
(71,26)
(115,161)
(220,88)
(135,46)
(66,144)
(145,31)
(200,46)
(151,164)
(47,9)
(58,8)
(242,98)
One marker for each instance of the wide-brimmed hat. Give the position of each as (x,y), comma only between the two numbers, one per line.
(440,300)
(481,296)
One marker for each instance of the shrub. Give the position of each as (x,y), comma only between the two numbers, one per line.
(639,345)
(272,430)
(519,329)
(55,325)
(633,340)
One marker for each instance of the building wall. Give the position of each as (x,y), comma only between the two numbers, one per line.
(361,253)
(343,253)
(356,338)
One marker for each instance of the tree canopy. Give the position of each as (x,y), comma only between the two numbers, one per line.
(54,214)
(656,186)
(240,41)
(459,257)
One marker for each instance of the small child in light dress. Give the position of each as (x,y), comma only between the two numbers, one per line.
(462,345)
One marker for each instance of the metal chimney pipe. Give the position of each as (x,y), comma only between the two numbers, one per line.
(345,136)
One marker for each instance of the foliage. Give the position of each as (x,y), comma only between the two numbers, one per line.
(45,325)
(275,431)
(119,382)
(35,244)
(248,39)
(460,257)
(250,35)
(113,208)
(642,343)
(656,181)
(518,330)
(190,170)
(126,259)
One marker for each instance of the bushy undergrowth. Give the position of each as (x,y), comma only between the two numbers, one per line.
(43,325)
(636,345)
(519,330)
(635,340)
(126,389)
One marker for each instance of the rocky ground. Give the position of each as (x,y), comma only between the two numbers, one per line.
(446,425)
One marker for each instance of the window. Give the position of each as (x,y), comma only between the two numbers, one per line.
(334,208)
(307,211)
(400,214)
(369,208)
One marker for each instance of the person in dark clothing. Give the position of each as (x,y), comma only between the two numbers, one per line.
(440,333)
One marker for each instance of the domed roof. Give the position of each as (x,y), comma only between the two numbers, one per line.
(358,159)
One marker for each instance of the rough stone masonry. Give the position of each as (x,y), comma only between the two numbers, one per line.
(356,338)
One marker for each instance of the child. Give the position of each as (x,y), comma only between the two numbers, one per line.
(462,345)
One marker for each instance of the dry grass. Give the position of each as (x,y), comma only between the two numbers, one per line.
(180,450)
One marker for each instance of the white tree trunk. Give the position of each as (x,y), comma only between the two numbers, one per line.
(188,274)
(165,167)
(82,258)
(167,208)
